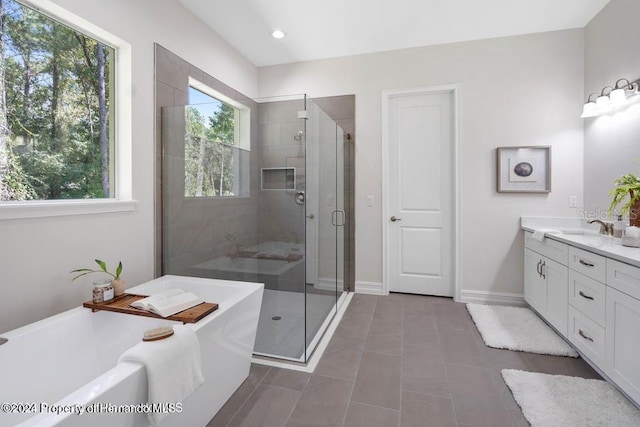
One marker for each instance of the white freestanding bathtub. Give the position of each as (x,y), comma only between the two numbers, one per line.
(71,359)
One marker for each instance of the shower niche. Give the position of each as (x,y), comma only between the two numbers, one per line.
(278,179)
(265,210)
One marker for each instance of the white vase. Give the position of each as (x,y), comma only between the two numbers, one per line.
(118,286)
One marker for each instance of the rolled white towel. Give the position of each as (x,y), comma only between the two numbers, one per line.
(540,233)
(174,368)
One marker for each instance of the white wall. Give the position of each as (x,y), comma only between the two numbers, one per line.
(612,141)
(37,255)
(524,90)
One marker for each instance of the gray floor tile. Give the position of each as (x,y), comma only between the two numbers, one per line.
(286,378)
(386,327)
(342,358)
(426,338)
(424,372)
(362,303)
(379,380)
(323,403)
(452,315)
(359,415)
(355,324)
(419,321)
(419,410)
(224,415)
(482,411)
(398,360)
(458,347)
(268,406)
(388,343)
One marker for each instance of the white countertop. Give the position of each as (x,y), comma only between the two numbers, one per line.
(576,233)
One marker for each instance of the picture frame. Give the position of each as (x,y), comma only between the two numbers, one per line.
(524,169)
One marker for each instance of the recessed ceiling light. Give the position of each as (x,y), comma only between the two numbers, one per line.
(278,34)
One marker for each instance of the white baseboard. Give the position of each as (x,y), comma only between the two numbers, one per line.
(488,297)
(329,284)
(372,288)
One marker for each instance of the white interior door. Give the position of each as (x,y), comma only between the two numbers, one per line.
(420,193)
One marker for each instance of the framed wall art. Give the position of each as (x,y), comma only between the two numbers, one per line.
(524,169)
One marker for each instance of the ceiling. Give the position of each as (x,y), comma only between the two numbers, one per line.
(329,28)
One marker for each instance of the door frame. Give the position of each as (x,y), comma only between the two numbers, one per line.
(454,90)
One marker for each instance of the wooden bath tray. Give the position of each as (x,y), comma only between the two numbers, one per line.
(121,305)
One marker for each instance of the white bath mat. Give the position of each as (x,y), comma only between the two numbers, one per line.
(557,400)
(517,328)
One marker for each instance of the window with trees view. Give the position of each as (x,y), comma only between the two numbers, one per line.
(56,109)
(214,147)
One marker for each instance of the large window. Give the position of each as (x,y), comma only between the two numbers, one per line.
(216,144)
(56,109)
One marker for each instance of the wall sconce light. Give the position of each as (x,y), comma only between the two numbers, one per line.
(610,98)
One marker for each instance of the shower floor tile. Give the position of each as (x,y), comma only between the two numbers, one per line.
(282,316)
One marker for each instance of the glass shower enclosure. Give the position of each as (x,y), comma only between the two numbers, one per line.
(255,191)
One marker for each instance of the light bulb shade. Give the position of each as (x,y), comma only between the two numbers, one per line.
(589,110)
(618,96)
(603,104)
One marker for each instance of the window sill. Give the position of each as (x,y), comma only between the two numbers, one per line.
(48,208)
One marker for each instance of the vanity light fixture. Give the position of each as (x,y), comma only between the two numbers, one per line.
(610,98)
(278,34)
(590,108)
(603,102)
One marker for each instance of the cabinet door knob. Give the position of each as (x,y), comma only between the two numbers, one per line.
(539,268)
(583,295)
(544,263)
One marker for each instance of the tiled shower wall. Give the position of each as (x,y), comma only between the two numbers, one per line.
(193,229)
(280,218)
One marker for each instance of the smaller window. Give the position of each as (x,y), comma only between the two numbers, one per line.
(217,144)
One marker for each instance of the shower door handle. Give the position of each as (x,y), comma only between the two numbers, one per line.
(334,217)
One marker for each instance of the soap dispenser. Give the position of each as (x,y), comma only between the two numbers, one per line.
(618,227)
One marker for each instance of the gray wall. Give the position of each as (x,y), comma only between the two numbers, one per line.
(611,142)
(193,229)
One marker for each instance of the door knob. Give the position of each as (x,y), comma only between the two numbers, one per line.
(394,219)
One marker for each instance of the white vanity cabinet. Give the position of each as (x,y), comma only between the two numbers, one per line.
(546,280)
(622,362)
(592,299)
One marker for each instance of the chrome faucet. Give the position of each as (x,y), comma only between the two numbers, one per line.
(3,340)
(605,228)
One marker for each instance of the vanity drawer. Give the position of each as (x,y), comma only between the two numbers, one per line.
(587,263)
(559,252)
(588,296)
(623,277)
(587,336)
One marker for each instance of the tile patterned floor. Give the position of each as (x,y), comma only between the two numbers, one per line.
(395,361)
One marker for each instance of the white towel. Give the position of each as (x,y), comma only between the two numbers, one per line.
(174,369)
(539,233)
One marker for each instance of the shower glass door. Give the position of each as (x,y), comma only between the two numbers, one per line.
(324,221)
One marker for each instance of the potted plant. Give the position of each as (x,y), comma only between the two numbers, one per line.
(627,185)
(117,283)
